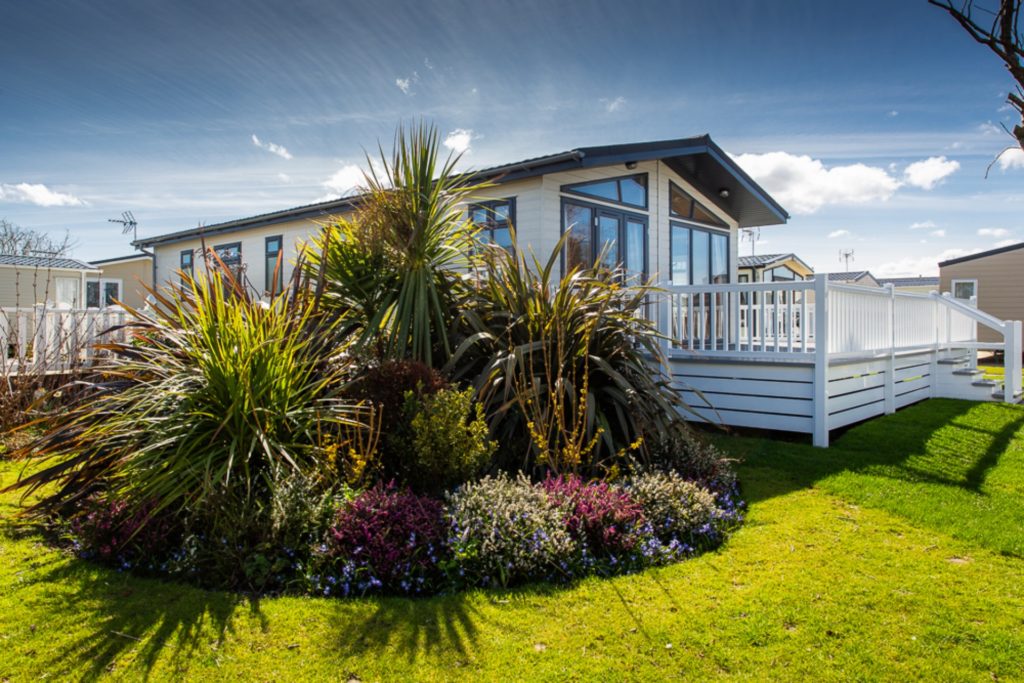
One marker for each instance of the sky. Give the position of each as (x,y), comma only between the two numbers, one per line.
(872,123)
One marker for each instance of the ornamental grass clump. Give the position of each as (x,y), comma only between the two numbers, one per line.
(503,530)
(384,539)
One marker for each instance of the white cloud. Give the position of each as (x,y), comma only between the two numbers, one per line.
(271,147)
(613,105)
(459,140)
(938,233)
(930,172)
(405,84)
(839,233)
(911,266)
(343,182)
(993,232)
(1011,158)
(38,194)
(284,177)
(1006,243)
(804,185)
(894,113)
(923,225)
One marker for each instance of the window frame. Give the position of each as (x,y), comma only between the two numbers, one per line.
(691,226)
(571,188)
(191,271)
(721,225)
(268,275)
(491,225)
(953,283)
(623,216)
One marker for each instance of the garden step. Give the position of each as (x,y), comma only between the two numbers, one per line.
(969,371)
(985,383)
(1000,395)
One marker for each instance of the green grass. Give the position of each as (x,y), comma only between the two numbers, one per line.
(894,555)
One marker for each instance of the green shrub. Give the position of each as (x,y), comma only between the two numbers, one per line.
(692,455)
(503,531)
(449,438)
(675,508)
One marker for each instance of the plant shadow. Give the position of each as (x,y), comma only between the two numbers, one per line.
(900,446)
(127,616)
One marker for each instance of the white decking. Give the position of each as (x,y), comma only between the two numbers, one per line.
(43,339)
(813,356)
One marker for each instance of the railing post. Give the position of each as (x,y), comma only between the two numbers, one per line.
(890,369)
(821,361)
(1011,360)
(664,321)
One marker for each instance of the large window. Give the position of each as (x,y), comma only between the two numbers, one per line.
(231,256)
(699,257)
(618,237)
(782,274)
(274,265)
(682,205)
(630,190)
(495,219)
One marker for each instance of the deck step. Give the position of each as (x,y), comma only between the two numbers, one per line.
(985,383)
(954,361)
(969,371)
(1000,395)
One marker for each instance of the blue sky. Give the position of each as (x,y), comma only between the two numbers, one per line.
(872,122)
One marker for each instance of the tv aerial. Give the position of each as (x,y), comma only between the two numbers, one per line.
(845,256)
(751,235)
(129,226)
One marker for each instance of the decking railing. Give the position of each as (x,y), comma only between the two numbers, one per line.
(821,322)
(43,339)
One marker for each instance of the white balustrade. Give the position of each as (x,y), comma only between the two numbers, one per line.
(46,338)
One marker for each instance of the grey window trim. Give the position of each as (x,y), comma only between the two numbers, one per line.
(691,226)
(191,254)
(571,188)
(624,215)
(491,225)
(268,276)
(721,225)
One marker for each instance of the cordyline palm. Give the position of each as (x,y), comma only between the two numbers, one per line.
(216,393)
(574,356)
(396,267)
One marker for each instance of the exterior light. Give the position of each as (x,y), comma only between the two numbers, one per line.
(630,165)
(724,193)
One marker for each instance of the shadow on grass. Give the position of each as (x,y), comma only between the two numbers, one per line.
(908,446)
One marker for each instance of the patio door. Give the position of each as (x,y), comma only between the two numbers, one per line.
(618,237)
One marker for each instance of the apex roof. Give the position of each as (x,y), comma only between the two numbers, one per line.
(697,159)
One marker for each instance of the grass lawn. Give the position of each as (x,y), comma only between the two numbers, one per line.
(896,554)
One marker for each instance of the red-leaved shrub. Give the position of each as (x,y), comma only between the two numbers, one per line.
(389,538)
(604,517)
(117,533)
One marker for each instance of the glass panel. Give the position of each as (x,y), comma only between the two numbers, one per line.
(500,212)
(701,258)
(703,215)
(111,293)
(782,274)
(578,220)
(230,254)
(608,240)
(634,250)
(679,203)
(480,215)
(503,238)
(92,295)
(634,190)
(605,189)
(680,266)
(68,291)
(963,290)
(719,259)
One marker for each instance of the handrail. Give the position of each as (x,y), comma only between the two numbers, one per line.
(970,311)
